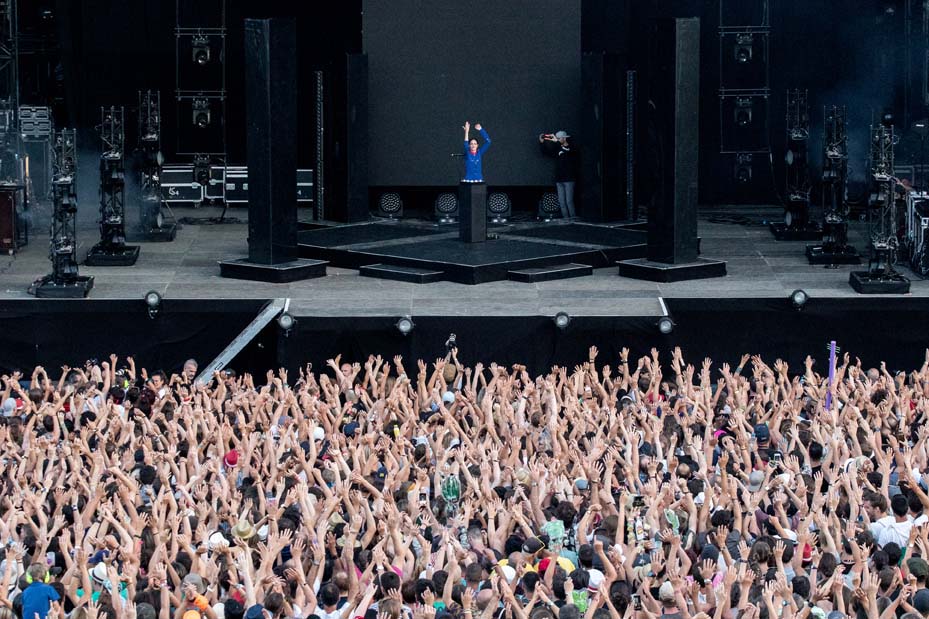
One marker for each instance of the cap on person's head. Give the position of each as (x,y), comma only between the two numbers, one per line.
(9,406)
(448,398)
(762,433)
(561,134)
(318,435)
(755,481)
(666,592)
(817,613)
(920,601)
(918,567)
(532,545)
(255,611)
(231,458)
(350,428)
(837,614)
(191,614)
(581,484)
(98,573)
(807,553)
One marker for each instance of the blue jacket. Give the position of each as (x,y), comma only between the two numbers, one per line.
(473,170)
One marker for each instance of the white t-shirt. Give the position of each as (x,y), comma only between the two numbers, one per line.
(887,530)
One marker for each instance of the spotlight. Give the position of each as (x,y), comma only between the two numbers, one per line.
(200,50)
(153,302)
(665,325)
(286,322)
(743,168)
(405,325)
(743,111)
(202,169)
(562,320)
(799,298)
(743,48)
(201,113)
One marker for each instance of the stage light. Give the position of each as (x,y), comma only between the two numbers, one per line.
(743,168)
(799,298)
(562,320)
(446,207)
(390,205)
(548,206)
(743,48)
(153,303)
(405,325)
(200,50)
(743,111)
(499,207)
(665,325)
(202,169)
(201,113)
(286,322)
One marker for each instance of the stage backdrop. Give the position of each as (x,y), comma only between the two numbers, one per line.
(513,66)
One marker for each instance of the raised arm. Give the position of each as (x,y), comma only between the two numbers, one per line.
(467,130)
(484,135)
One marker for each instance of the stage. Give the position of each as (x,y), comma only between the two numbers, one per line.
(504,320)
(187,268)
(427,246)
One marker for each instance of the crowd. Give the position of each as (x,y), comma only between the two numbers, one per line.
(386,491)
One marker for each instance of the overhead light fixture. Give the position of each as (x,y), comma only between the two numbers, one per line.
(202,169)
(799,298)
(743,48)
(200,50)
(405,325)
(562,320)
(743,168)
(665,325)
(201,113)
(743,111)
(153,302)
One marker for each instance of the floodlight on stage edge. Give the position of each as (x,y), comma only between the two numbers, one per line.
(562,320)
(153,302)
(405,325)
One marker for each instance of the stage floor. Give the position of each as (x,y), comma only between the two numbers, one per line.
(758,267)
(436,248)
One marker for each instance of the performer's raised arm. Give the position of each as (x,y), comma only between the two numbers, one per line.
(467,130)
(484,135)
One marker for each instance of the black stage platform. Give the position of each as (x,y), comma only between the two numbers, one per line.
(508,248)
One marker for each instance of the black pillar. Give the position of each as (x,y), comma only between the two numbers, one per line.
(271,100)
(271,106)
(472,204)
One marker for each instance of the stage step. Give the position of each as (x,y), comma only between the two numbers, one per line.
(401,273)
(547,274)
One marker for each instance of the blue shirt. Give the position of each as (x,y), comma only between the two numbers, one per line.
(473,170)
(37,599)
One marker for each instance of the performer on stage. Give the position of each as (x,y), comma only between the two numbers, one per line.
(473,154)
(556,145)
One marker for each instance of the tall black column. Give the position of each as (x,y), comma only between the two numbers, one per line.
(271,106)
(271,100)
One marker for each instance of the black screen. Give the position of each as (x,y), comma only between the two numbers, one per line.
(513,66)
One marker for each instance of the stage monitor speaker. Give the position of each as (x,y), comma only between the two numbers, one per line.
(270,75)
(347,141)
(603,137)
(674,109)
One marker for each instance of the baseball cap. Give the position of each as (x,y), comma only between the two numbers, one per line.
(561,134)
(755,481)
(762,433)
